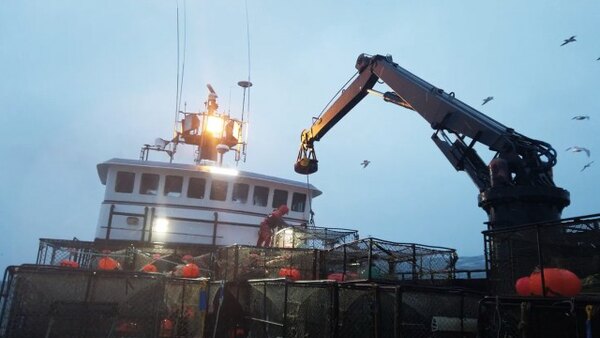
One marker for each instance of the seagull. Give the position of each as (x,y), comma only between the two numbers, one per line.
(577,149)
(581,117)
(587,166)
(598,59)
(365,163)
(569,40)
(487,99)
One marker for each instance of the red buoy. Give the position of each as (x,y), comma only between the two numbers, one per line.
(291,273)
(107,263)
(558,283)
(190,270)
(69,263)
(149,268)
(522,286)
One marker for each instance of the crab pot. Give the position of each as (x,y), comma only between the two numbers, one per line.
(47,301)
(371,310)
(570,244)
(239,262)
(378,260)
(313,237)
(326,309)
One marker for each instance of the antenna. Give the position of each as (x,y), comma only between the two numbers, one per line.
(246,85)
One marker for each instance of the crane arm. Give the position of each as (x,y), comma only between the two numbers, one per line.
(458,127)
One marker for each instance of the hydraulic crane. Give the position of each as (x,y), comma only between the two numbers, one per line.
(515,188)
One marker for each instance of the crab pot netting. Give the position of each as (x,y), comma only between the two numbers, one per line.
(376,259)
(185,306)
(391,311)
(130,258)
(225,309)
(571,244)
(279,308)
(53,252)
(538,317)
(63,302)
(244,262)
(312,237)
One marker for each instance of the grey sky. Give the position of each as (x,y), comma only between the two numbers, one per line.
(85,81)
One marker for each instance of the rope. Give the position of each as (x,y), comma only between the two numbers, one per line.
(184,49)
(311,218)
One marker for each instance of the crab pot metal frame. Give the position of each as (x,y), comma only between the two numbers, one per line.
(241,262)
(131,256)
(379,260)
(46,301)
(572,244)
(539,317)
(313,237)
(280,308)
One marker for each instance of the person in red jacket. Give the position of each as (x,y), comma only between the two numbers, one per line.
(268,225)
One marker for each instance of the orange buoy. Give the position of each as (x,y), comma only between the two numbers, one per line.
(290,272)
(571,285)
(108,263)
(558,282)
(522,286)
(166,328)
(149,268)
(190,270)
(69,263)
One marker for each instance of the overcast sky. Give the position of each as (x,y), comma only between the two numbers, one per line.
(85,81)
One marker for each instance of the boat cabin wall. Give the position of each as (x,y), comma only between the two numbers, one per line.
(182,206)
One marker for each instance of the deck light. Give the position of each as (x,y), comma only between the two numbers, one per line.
(223,171)
(161,225)
(214,125)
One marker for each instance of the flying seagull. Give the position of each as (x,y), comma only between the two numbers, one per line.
(569,40)
(581,117)
(587,166)
(365,163)
(487,99)
(577,149)
(598,59)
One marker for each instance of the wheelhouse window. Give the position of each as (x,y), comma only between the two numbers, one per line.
(279,198)
(298,202)
(240,193)
(196,188)
(124,182)
(218,190)
(173,186)
(260,197)
(149,184)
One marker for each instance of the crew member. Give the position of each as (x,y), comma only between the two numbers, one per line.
(269,224)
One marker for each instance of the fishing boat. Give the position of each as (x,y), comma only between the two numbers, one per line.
(176,254)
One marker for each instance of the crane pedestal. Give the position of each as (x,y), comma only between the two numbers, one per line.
(517,253)
(517,205)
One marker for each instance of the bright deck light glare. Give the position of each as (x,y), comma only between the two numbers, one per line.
(161,225)
(223,171)
(214,125)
